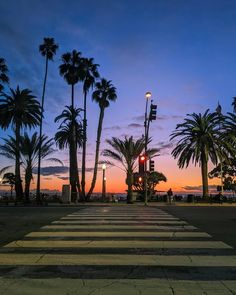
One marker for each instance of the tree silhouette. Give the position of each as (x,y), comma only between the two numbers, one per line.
(103,94)
(19,109)
(48,50)
(89,75)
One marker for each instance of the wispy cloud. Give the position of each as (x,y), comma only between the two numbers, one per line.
(52,170)
(198,187)
(135,125)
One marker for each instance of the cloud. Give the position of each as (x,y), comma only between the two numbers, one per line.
(138,118)
(135,125)
(198,187)
(52,170)
(63,177)
(115,127)
(165,147)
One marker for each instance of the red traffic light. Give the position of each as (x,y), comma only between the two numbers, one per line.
(140,179)
(142,158)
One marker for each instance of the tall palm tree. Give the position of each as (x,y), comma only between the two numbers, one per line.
(3,73)
(48,50)
(89,75)
(199,141)
(71,70)
(29,147)
(103,94)
(234,104)
(126,153)
(19,109)
(65,138)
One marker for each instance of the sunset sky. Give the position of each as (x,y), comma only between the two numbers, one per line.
(183,51)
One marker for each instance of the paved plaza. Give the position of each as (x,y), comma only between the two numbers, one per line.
(117,250)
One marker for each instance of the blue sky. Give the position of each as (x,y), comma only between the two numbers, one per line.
(181,51)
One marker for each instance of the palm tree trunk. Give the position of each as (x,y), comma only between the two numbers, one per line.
(40,134)
(18,183)
(204,170)
(28,177)
(73,170)
(130,189)
(84,146)
(99,132)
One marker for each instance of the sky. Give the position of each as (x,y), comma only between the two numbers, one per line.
(182,51)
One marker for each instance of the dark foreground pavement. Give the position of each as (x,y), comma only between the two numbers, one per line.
(118,249)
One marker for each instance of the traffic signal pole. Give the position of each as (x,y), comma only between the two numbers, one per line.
(146,127)
(148,117)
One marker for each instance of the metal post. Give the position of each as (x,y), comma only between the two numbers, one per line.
(146,126)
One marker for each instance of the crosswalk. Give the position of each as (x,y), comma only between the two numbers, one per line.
(129,248)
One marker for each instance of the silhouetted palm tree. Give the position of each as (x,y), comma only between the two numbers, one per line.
(234,104)
(103,94)
(48,50)
(126,153)
(200,141)
(89,75)
(3,73)
(71,70)
(29,147)
(64,137)
(229,126)
(19,109)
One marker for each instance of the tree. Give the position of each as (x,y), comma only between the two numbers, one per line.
(3,73)
(126,153)
(65,138)
(10,179)
(200,140)
(89,75)
(48,50)
(234,104)
(29,147)
(103,94)
(71,70)
(153,178)
(19,109)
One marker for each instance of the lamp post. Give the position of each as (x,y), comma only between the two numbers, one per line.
(148,95)
(104,182)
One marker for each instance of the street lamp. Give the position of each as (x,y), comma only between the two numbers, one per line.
(104,182)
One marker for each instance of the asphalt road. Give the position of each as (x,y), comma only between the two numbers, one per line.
(219,221)
(106,250)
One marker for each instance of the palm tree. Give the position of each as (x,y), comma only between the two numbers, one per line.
(103,94)
(3,73)
(19,109)
(90,73)
(71,70)
(48,50)
(29,147)
(126,153)
(229,134)
(234,104)
(65,138)
(200,140)
(10,179)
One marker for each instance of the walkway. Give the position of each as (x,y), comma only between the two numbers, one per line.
(115,250)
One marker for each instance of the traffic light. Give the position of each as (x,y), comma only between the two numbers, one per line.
(141,163)
(140,179)
(153,112)
(151,165)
